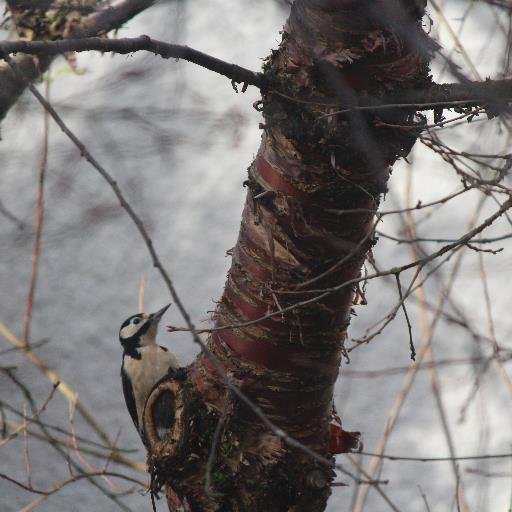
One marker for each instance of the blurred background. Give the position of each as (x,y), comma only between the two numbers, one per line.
(178,140)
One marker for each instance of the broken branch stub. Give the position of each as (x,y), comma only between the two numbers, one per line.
(165,417)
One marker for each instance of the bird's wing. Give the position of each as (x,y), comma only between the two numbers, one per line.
(129,398)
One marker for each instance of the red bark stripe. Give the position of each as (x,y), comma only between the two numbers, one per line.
(262,353)
(248,310)
(250,265)
(275,182)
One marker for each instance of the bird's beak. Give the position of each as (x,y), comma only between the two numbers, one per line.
(155,317)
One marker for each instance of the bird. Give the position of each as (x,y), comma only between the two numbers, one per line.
(144,362)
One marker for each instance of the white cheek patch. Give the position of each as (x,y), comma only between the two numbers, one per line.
(130,330)
(125,331)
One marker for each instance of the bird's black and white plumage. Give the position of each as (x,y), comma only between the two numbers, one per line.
(144,362)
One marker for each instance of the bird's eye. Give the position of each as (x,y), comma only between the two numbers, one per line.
(136,321)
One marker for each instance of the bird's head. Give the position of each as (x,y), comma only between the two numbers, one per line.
(140,330)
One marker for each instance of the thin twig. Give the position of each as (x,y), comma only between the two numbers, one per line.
(437,459)
(46,436)
(424,497)
(375,462)
(36,252)
(376,486)
(409,327)
(386,372)
(419,205)
(53,377)
(27,421)
(10,216)
(443,240)
(487,474)
(432,371)
(26,452)
(61,430)
(490,322)
(70,480)
(114,456)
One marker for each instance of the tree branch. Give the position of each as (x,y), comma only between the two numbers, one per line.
(129,45)
(97,23)
(436,96)
(503,4)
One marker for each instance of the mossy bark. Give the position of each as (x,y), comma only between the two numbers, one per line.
(312,164)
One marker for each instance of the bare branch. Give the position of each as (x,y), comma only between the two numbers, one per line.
(70,480)
(404,309)
(438,459)
(129,45)
(436,96)
(27,421)
(36,252)
(107,18)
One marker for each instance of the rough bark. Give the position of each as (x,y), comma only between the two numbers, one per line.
(291,240)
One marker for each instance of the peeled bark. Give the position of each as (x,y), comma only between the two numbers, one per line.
(294,237)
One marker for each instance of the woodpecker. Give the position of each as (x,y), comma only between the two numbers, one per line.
(144,362)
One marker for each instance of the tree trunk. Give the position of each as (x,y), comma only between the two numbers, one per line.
(295,238)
